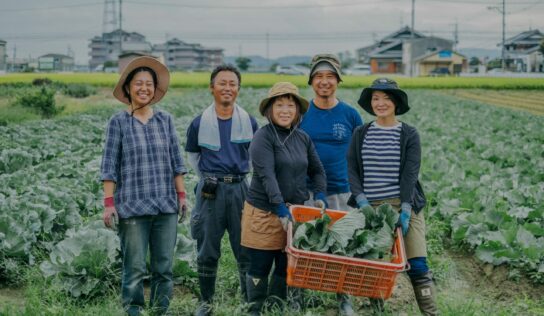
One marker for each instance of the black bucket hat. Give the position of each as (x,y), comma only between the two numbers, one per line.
(389,86)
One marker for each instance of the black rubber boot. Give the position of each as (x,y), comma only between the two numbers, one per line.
(243,286)
(345,307)
(277,293)
(256,292)
(207,291)
(425,293)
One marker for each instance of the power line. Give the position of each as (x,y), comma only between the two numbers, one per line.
(68,6)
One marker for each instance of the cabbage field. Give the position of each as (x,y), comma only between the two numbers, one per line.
(482,171)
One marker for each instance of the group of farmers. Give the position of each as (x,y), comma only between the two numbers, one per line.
(315,152)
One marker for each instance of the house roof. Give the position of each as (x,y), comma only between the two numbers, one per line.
(2,41)
(132,53)
(527,37)
(403,33)
(387,51)
(55,55)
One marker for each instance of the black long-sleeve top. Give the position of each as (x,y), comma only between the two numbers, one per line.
(281,165)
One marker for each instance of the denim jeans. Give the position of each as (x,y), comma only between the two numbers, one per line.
(137,234)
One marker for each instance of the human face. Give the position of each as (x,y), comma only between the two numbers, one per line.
(382,105)
(141,89)
(225,88)
(284,112)
(325,83)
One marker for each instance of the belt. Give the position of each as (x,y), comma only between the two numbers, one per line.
(227,178)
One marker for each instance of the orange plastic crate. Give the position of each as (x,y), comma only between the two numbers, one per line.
(339,274)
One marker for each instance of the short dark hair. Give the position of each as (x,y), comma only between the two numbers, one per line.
(133,73)
(268,109)
(226,67)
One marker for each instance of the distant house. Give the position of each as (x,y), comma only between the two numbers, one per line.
(127,57)
(21,64)
(401,52)
(3,55)
(523,53)
(179,55)
(107,48)
(55,62)
(441,62)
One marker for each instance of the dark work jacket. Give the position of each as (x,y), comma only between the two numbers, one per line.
(410,160)
(280,171)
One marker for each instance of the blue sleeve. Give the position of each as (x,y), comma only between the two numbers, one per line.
(175,149)
(111,157)
(192,136)
(254,124)
(358,121)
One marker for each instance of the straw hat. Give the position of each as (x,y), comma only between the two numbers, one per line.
(163,78)
(282,88)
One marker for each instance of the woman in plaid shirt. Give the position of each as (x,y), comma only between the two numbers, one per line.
(142,171)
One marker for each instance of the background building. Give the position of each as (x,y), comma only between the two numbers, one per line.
(179,55)
(55,62)
(3,56)
(523,52)
(107,48)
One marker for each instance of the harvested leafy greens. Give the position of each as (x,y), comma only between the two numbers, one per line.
(364,233)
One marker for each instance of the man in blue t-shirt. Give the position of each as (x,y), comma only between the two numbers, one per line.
(218,150)
(330,124)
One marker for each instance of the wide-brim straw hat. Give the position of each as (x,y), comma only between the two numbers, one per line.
(283,88)
(389,86)
(163,78)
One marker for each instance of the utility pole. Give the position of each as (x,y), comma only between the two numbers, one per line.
(455,36)
(503,52)
(120,27)
(267,45)
(412,36)
(503,49)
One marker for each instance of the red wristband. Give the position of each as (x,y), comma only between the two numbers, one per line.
(108,202)
(181,195)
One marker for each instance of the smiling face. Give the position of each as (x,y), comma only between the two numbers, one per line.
(225,88)
(284,111)
(325,83)
(141,89)
(382,105)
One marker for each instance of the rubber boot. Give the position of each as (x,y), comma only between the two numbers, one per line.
(345,307)
(425,292)
(256,292)
(207,291)
(277,293)
(243,285)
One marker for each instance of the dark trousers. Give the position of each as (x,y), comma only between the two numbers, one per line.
(209,221)
(261,262)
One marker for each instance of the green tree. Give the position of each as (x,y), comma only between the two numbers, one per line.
(243,63)
(474,61)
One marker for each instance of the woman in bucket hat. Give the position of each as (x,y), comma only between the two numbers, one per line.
(383,165)
(142,172)
(282,156)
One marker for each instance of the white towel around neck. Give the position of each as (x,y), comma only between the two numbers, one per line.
(208,133)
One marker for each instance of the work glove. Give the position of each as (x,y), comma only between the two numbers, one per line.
(110,217)
(284,215)
(183,207)
(320,201)
(362,201)
(404,218)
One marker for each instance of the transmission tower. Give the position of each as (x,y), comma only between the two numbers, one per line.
(109,20)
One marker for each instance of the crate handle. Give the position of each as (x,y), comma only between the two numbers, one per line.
(406,267)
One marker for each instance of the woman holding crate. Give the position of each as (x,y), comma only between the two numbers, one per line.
(383,165)
(283,157)
(142,172)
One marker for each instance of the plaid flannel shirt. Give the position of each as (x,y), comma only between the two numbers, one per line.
(142,160)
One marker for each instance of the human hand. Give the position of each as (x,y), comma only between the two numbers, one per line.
(110,217)
(183,208)
(404,219)
(362,203)
(320,201)
(284,215)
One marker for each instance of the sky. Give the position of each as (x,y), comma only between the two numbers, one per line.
(253,27)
